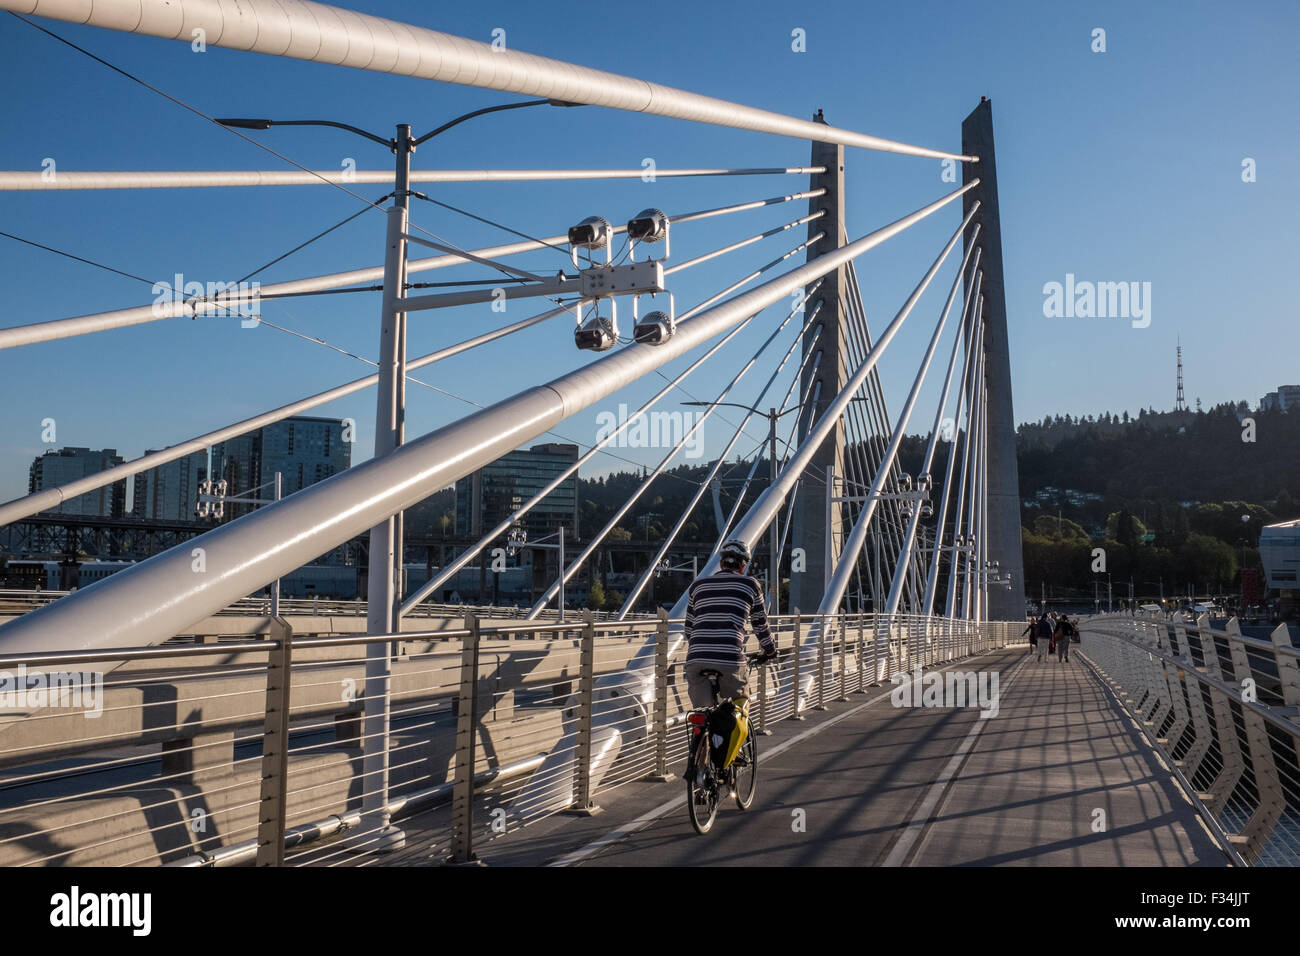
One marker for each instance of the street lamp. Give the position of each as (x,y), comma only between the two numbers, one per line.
(772,415)
(386,540)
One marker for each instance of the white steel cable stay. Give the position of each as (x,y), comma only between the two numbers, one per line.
(814,355)
(962,521)
(445,574)
(596,539)
(953,496)
(877,410)
(853,544)
(870,425)
(969,600)
(690,263)
(633,688)
(154,312)
(325,34)
(941,520)
(155,599)
(905,563)
(40,181)
(689,509)
(51,497)
(959,495)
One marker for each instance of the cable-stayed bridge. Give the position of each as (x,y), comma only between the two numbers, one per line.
(229,733)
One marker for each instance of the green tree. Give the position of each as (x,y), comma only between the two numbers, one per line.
(596,595)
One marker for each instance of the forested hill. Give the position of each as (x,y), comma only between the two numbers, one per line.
(1227,453)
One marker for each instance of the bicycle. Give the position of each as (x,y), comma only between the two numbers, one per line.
(705,781)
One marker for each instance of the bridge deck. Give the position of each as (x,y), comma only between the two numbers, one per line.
(880,785)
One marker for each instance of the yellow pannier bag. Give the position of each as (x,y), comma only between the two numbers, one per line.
(729,728)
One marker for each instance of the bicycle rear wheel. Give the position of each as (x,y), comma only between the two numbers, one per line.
(746,771)
(701,795)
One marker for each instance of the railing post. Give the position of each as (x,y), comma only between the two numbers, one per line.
(875,648)
(821,662)
(862,664)
(1288,671)
(762,730)
(1272,798)
(1200,745)
(1177,698)
(462,803)
(661,773)
(798,655)
(582,803)
(1225,728)
(272,805)
(844,672)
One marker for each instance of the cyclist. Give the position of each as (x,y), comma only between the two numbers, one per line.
(716,611)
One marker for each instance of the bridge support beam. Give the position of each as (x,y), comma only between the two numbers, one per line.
(817,533)
(1002,530)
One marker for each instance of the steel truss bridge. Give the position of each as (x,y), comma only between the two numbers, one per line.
(297,737)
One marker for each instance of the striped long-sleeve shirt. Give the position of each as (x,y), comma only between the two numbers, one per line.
(716,612)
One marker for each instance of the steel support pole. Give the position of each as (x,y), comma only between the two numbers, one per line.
(275,585)
(376,833)
(774,531)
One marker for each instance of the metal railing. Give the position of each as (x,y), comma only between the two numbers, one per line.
(253,751)
(1222,708)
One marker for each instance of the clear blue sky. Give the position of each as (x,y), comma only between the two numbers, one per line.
(1115,166)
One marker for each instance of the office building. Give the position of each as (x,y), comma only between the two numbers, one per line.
(491,494)
(171,491)
(1285,398)
(304,450)
(64,465)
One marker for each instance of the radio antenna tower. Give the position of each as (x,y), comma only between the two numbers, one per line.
(1181,404)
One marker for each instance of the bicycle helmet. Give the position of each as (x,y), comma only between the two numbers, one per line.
(734,554)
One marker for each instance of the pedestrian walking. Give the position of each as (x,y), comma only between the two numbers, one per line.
(1045,629)
(1065,631)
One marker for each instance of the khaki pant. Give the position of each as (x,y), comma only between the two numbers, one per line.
(730,684)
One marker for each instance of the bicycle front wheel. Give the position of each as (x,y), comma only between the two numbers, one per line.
(746,769)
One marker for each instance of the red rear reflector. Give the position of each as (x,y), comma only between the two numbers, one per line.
(699,719)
